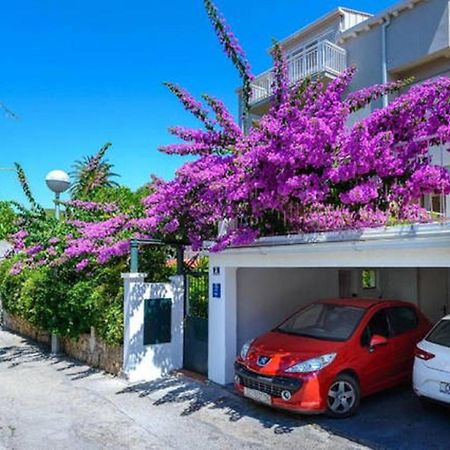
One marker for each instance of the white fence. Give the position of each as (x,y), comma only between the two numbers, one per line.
(319,58)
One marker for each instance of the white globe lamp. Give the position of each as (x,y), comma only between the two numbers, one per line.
(58,182)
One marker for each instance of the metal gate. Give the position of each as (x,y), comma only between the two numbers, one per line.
(196,322)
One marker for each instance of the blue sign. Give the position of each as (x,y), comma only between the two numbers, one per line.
(216,290)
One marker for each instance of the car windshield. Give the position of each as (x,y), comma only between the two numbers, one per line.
(325,321)
(440,334)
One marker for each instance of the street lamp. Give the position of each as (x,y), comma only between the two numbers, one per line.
(58,182)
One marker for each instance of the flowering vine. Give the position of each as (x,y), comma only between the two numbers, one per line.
(305,166)
(233,49)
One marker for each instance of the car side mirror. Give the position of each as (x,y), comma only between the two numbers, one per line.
(377,340)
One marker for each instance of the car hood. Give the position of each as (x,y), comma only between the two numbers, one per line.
(282,350)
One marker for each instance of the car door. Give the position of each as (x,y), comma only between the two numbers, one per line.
(404,324)
(376,364)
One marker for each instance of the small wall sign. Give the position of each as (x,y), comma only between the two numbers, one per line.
(216,270)
(216,290)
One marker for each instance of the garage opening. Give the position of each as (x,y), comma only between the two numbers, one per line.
(267,296)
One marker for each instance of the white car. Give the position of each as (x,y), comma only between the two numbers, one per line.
(431,374)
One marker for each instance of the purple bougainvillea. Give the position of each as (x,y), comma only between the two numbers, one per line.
(300,168)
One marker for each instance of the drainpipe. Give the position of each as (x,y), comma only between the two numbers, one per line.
(384,70)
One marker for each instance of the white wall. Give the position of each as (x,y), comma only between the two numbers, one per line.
(427,288)
(433,292)
(262,284)
(149,362)
(399,284)
(265,297)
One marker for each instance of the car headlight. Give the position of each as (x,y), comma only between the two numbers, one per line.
(312,365)
(245,348)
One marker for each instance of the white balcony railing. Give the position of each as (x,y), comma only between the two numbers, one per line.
(323,57)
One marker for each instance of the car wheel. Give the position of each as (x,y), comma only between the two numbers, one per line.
(343,397)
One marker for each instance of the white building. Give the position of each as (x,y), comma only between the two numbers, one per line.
(253,288)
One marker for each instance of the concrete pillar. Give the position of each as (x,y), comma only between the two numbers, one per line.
(149,362)
(133,314)
(222,323)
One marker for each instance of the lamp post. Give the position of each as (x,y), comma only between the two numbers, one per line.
(58,182)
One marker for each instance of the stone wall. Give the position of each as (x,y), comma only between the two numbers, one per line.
(94,352)
(25,328)
(87,348)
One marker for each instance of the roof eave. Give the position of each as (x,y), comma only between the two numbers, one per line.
(378,19)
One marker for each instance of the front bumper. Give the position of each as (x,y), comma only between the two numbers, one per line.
(427,381)
(305,389)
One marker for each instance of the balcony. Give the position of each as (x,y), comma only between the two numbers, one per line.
(323,58)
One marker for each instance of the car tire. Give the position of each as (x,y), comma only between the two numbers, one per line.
(343,397)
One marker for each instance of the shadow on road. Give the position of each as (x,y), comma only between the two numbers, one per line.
(16,355)
(394,419)
(29,352)
(195,395)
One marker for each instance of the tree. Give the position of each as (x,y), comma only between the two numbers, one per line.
(7,219)
(92,173)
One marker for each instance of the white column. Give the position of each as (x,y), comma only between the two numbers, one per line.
(222,324)
(133,317)
(177,343)
(146,362)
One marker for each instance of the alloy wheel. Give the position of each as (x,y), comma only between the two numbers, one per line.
(341,397)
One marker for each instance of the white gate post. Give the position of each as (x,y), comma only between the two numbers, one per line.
(222,324)
(149,361)
(133,318)
(177,282)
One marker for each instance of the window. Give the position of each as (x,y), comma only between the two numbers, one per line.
(378,324)
(440,334)
(325,321)
(369,279)
(402,319)
(329,35)
(434,203)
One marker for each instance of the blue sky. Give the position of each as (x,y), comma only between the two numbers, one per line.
(80,74)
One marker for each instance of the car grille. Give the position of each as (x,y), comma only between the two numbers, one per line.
(274,391)
(273,386)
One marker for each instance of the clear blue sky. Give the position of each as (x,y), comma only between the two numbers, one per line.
(82,73)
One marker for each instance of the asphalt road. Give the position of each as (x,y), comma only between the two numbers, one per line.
(55,403)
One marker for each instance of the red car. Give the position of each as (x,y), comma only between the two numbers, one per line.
(328,355)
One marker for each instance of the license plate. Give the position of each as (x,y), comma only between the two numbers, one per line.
(258,396)
(444,388)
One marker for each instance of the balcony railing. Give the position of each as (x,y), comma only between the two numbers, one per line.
(323,57)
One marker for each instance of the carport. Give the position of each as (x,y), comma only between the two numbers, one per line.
(253,288)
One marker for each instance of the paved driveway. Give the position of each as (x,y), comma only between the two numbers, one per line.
(55,403)
(51,403)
